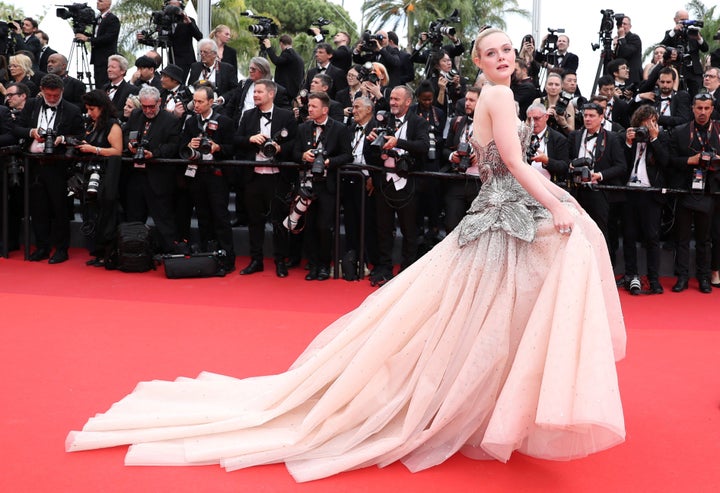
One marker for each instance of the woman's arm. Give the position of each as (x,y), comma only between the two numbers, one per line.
(499,104)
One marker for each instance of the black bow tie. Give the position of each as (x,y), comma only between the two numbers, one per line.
(322,69)
(113,87)
(590,136)
(534,138)
(359,128)
(398,123)
(266,115)
(318,125)
(469,118)
(665,98)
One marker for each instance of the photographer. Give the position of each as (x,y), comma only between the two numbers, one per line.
(101,177)
(117,88)
(152,133)
(11,166)
(686,36)
(448,85)
(405,149)
(694,160)
(376,48)
(604,158)
(647,154)
(103,41)
(673,107)
(226,53)
(174,95)
(620,73)
(266,186)
(223,76)
(146,73)
(559,105)
(323,57)
(206,137)
(74,88)
(20,70)
(460,155)
(342,54)
(711,85)
(548,151)
(523,87)
(324,144)
(289,66)
(627,45)
(44,122)
(31,43)
(527,56)
(616,110)
(555,54)
(242,98)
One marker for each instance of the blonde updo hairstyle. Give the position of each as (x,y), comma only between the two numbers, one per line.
(482,35)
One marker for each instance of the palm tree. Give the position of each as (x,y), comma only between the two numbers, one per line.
(391,14)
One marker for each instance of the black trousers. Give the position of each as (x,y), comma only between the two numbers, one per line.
(50,208)
(388,203)
(685,220)
(459,195)
(142,201)
(320,219)
(596,204)
(351,188)
(265,199)
(641,222)
(715,235)
(211,196)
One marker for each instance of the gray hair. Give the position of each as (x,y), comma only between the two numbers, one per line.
(262,64)
(207,42)
(148,91)
(122,61)
(537,106)
(365,101)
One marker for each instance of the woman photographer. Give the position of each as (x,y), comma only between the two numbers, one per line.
(222,36)
(448,85)
(560,109)
(103,139)
(527,54)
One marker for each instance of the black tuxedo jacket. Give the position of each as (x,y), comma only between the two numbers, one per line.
(524,93)
(338,77)
(68,121)
(416,141)
(73,89)
(336,141)
(389,56)
(682,147)
(657,161)
(162,137)
(608,156)
(695,65)
(289,70)
(569,62)
(223,136)
(124,90)
(630,48)
(182,42)
(342,58)
(620,113)
(164,94)
(680,110)
(234,101)
(556,147)
(44,55)
(32,44)
(154,82)
(104,40)
(7,137)
(225,78)
(250,125)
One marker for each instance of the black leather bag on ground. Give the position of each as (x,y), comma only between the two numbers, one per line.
(209,264)
(133,250)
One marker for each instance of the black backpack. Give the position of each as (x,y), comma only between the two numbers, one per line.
(133,251)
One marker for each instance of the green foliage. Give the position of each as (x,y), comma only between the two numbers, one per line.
(10,12)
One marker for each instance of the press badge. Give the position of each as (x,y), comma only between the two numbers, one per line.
(191,170)
(698,182)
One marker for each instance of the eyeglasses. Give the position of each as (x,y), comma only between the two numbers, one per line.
(253,69)
(11,94)
(351,76)
(149,106)
(709,76)
(537,118)
(206,52)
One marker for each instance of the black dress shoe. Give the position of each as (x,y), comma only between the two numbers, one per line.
(680,285)
(255,266)
(705,286)
(281,269)
(59,257)
(656,287)
(38,255)
(323,273)
(715,284)
(292,262)
(312,274)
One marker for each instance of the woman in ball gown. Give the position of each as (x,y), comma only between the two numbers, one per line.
(503,337)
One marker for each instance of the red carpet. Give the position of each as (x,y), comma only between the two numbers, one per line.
(75,339)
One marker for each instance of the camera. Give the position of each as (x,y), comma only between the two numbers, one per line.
(298,208)
(302,108)
(14,168)
(581,171)
(265,27)
(432,150)
(49,135)
(551,40)
(532,150)
(403,162)
(93,184)
(71,142)
(382,117)
(367,73)
(133,138)
(439,28)
(320,23)
(268,148)
(162,24)
(205,146)
(451,75)
(465,151)
(709,159)
(317,169)
(81,16)
(562,103)
(691,28)
(642,134)
(370,41)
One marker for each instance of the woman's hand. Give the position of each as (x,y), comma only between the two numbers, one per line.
(563,219)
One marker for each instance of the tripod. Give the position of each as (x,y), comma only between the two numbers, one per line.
(82,62)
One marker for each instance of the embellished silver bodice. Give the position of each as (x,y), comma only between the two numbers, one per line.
(502,203)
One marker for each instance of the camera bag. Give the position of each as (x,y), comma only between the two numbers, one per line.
(133,250)
(205,264)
